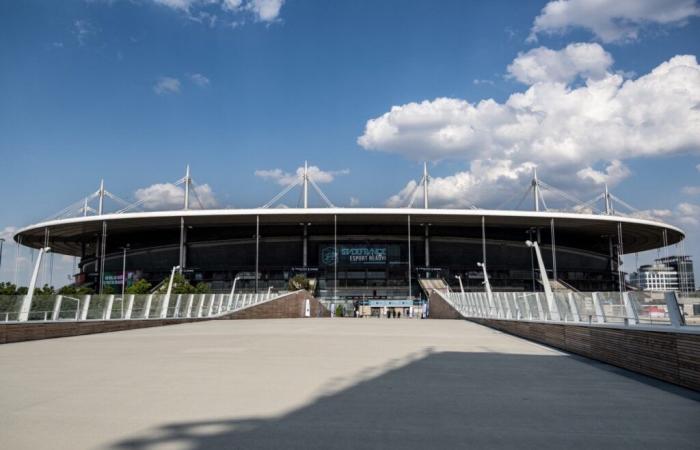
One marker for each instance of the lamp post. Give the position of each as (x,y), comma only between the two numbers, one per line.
(553,309)
(125,248)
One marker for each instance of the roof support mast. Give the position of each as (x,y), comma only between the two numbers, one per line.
(101,194)
(536,189)
(306,184)
(188,180)
(426,179)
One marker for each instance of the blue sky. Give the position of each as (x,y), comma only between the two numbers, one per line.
(132,91)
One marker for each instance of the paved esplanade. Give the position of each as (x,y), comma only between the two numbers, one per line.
(328,383)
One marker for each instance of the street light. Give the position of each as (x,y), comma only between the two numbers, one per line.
(125,248)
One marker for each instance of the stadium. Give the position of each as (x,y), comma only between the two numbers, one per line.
(349,253)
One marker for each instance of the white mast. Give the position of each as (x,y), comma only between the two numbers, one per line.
(306,185)
(101,193)
(187,188)
(425,185)
(536,189)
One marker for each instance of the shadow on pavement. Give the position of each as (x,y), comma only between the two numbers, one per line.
(467,400)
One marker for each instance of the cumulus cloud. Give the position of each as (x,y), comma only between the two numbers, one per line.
(553,124)
(354,201)
(544,65)
(615,172)
(578,136)
(208,11)
(166,196)
(265,10)
(167,85)
(7,233)
(691,190)
(285,178)
(199,79)
(611,20)
(485,184)
(688,214)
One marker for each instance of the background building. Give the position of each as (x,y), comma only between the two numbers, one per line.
(683,265)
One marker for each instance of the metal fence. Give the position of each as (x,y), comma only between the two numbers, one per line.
(54,308)
(625,308)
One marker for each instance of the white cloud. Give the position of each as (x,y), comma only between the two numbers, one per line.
(611,20)
(691,190)
(486,183)
(165,196)
(285,178)
(688,214)
(7,233)
(698,167)
(615,172)
(167,85)
(265,10)
(199,79)
(83,29)
(554,125)
(202,10)
(354,201)
(543,64)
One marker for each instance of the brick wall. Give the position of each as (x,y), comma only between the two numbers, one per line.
(438,308)
(290,306)
(668,356)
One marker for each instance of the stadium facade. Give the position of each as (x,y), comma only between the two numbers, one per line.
(378,253)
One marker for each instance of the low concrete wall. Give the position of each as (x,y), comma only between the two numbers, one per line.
(668,356)
(30,331)
(290,306)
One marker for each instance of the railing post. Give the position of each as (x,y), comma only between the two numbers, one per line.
(674,311)
(86,307)
(190,300)
(221,303)
(574,307)
(176,313)
(147,306)
(540,310)
(200,304)
(630,310)
(599,312)
(107,313)
(211,305)
(129,307)
(57,307)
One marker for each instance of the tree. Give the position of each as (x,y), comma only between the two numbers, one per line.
(44,290)
(180,285)
(140,287)
(72,289)
(8,289)
(201,288)
(299,281)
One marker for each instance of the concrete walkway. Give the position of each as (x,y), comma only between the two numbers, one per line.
(328,383)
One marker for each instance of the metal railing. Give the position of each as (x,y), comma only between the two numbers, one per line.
(55,308)
(610,308)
